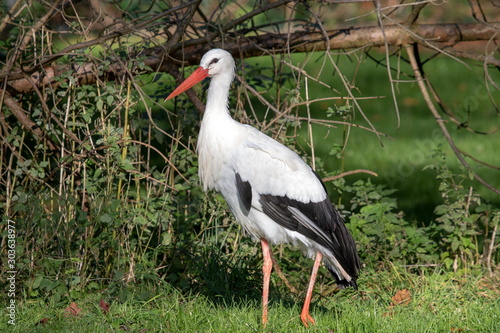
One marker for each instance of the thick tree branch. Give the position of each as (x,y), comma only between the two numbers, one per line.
(351,38)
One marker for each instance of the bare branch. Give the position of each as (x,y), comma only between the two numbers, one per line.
(27,39)
(11,14)
(21,116)
(415,12)
(183,23)
(395,35)
(387,59)
(348,173)
(477,11)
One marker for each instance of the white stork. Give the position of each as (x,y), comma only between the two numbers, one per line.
(273,194)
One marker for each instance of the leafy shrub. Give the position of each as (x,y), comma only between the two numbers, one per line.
(464,222)
(381,232)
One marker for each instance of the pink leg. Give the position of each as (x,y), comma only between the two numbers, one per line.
(266,270)
(304,315)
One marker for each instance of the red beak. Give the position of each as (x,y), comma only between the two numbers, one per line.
(199,74)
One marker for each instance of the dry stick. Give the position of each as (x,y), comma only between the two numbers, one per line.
(477,11)
(282,276)
(491,248)
(86,44)
(393,7)
(451,115)
(240,20)
(479,161)
(415,12)
(387,60)
(317,120)
(9,100)
(303,72)
(309,127)
(487,59)
(27,38)
(347,173)
(414,36)
(181,28)
(11,14)
(259,96)
(351,95)
(440,121)
(154,180)
(341,76)
(29,124)
(165,158)
(206,41)
(148,111)
(46,109)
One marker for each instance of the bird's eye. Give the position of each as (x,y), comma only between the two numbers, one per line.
(214,61)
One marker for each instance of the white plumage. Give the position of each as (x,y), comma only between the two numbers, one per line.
(271,191)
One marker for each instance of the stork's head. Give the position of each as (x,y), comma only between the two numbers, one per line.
(214,63)
(217,61)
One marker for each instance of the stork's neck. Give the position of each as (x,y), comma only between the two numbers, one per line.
(218,96)
(217,131)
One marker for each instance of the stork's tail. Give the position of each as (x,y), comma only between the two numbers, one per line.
(341,281)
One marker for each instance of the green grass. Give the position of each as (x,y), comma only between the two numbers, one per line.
(439,303)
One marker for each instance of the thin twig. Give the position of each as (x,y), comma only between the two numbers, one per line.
(387,60)
(282,276)
(11,14)
(348,173)
(415,12)
(491,248)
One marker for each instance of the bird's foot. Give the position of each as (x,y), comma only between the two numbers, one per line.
(307,319)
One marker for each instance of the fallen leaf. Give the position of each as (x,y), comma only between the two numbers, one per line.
(104,306)
(43,321)
(402,297)
(72,310)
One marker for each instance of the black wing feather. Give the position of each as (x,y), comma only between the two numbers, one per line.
(244,192)
(329,229)
(331,232)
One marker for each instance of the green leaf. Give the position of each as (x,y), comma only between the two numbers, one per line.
(99,104)
(105,218)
